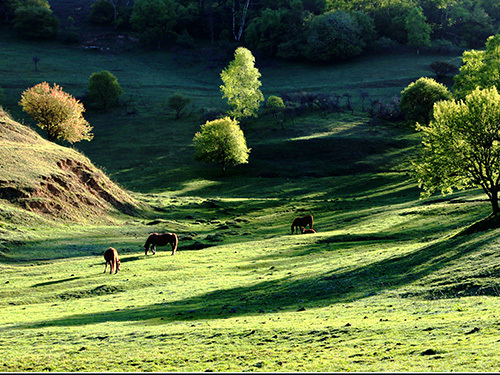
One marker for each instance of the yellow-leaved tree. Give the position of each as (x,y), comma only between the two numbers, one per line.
(56,112)
(221,141)
(241,85)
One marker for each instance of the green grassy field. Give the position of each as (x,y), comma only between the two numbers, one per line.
(389,282)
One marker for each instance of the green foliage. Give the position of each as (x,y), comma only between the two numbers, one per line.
(221,141)
(419,32)
(267,31)
(479,69)
(417,100)
(37,22)
(102,12)
(56,112)
(337,35)
(461,146)
(177,103)
(155,21)
(275,106)
(442,69)
(241,85)
(104,89)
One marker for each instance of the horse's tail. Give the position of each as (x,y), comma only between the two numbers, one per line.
(175,241)
(312,220)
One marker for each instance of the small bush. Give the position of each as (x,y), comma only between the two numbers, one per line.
(442,69)
(178,103)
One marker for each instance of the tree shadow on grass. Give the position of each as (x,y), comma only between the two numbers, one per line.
(294,294)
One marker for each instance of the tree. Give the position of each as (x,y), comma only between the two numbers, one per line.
(221,141)
(267,31)
(102,12)
(417,100)
(241,85)
(177,103)
(155,21)
(240,13)
(419,32)
(442,68)
(104,89)
(36,21)
(461,146)
(479,69)
(56,112)
(275,106)
(334,35)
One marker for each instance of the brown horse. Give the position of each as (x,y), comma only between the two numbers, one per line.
(163,239)
(302,222)
(111,258)
(306,231)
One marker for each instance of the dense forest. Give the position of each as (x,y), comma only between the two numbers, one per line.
(315,30)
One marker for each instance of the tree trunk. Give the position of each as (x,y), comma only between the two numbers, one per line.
(237,35)
(494,202)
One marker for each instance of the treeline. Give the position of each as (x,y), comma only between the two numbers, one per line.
(316,30)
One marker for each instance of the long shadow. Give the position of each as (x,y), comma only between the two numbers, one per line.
(332,287)
(56,282)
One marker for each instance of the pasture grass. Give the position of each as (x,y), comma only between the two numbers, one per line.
(389,282)
(386,287)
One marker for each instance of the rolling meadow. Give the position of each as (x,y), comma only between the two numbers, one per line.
(389,283)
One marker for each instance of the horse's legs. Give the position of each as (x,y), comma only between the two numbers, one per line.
(153,249)
(105,267)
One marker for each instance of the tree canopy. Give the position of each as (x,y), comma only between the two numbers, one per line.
(221,141)
(479,68)
(241,85)
(461,146)
(104,89)
(56,112)
(417,100)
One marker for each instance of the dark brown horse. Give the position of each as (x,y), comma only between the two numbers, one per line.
(163,239)
(111,258)
(306,231)
(302,222)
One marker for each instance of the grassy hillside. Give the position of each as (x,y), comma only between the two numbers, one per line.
(54,181)
(389,282)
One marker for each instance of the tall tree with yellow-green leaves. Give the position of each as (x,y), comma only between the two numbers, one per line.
(241,85)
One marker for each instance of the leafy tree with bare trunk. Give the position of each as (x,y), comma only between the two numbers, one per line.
(461,146)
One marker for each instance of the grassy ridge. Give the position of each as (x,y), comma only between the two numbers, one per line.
(387,283)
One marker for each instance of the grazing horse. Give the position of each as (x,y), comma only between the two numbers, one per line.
(111,258)
(305,231)
(299,222)
(163,239)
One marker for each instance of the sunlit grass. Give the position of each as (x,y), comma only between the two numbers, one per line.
(386,284)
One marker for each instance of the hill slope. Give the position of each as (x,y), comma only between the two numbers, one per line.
(49,179)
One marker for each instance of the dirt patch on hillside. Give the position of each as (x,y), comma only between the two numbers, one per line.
(79,192)
(56,181)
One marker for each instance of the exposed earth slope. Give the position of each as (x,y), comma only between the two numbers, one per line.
(49,179)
